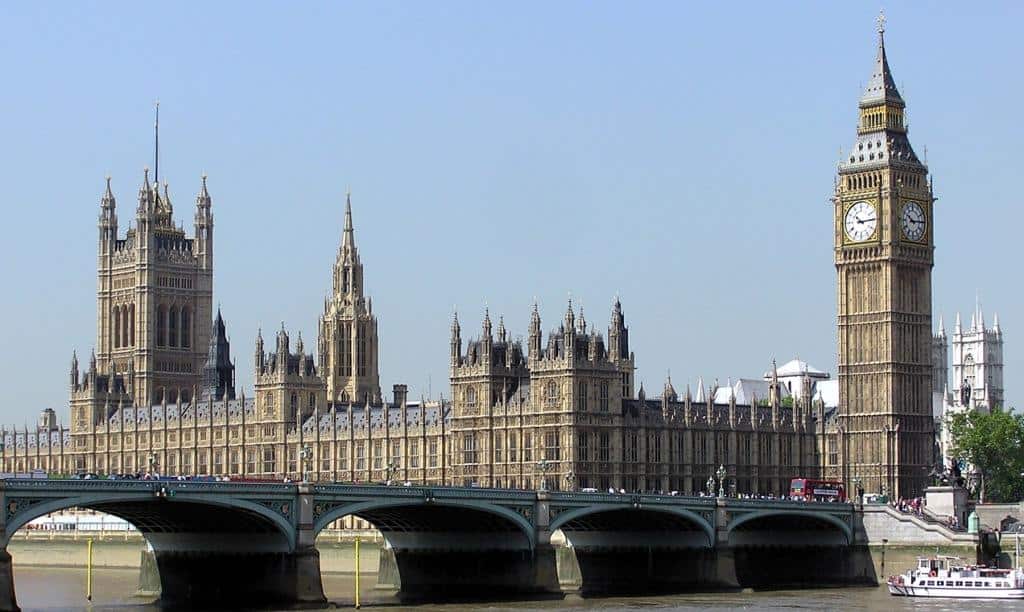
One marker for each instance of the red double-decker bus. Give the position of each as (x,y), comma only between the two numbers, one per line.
(808,489)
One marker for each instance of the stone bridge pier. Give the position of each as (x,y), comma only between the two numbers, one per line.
(241,560)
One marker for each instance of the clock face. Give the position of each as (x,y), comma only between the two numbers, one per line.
(913,221)
(861,221)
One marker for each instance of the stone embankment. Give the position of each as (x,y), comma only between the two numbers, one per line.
(121,551)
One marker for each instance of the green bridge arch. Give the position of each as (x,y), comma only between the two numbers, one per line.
(826,517)
(693,517)
(365,506)
(23,515)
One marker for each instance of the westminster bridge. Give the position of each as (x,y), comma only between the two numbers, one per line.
(255,542)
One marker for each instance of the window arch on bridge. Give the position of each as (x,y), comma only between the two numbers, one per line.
(615,517)
(437,516)
(807,526)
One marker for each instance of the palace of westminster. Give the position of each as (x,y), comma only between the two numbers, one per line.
(158,392)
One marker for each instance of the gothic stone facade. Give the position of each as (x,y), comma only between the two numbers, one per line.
(564,411)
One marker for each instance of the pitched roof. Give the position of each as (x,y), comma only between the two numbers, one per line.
(881,87)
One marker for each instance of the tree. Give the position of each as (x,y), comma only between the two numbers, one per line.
(993,444)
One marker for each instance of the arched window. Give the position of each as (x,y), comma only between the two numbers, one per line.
(172,327)
(471,397)
(131,325)
(295,403)
(312,401)
(551,394)
(115,323)
(268,403)
(186,328)
(124,326)
(161,325)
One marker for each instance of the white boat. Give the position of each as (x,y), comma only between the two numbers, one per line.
(949,577)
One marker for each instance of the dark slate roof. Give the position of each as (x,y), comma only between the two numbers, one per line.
(881,87)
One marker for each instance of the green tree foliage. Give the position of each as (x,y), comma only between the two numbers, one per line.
(992,443)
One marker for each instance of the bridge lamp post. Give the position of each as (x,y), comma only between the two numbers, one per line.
(305,456)
(721,480)
(856,489)
(570,478)
(543,466)
(152,463)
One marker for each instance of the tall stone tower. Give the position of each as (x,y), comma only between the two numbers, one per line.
(978,363)
(348,329)
(154,296)
(884,257)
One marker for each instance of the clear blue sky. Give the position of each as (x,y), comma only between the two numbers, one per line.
(680,155)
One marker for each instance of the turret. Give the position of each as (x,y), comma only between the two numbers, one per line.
(74,371)
(570,328)
(502,334)
(260,356)
(456,342)
(618,335)
(535,337)
(144,213)
(108,220)
(282,351)
(773,387)
(204,226)
(487,340)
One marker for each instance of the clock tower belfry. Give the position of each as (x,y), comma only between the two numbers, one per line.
(884,253)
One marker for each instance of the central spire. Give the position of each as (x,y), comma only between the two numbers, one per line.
(156,145)
(348,234)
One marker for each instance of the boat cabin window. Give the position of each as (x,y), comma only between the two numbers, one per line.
(959,583)
(922,564)
(941,564)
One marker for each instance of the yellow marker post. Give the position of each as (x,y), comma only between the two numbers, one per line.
(88,572)
(357,572)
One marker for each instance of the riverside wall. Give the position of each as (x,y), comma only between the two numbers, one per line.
(336,554)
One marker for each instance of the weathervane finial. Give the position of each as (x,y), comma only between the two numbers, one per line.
(881,21)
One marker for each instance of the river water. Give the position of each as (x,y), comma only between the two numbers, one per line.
(47,588)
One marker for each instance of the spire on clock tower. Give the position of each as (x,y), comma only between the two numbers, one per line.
(881,87)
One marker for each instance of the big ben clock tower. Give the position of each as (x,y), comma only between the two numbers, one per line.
(884,257)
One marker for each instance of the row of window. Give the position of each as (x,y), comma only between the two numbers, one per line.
(344,346)
(174,282)
(173,326)
(122,324)
(967,583)
(552,396)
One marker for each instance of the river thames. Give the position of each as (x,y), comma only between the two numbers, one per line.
(47,588)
